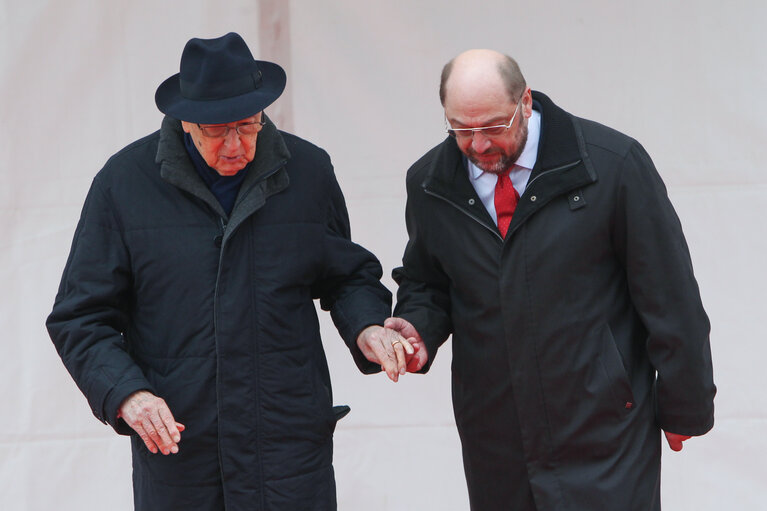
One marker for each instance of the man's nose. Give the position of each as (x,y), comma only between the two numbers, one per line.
(480,142)
(232,138)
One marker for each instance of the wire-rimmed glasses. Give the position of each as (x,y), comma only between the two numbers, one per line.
(222,130)
(488,131)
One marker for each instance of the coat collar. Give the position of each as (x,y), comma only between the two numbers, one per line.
(266,174)
(558,144)
(561,167)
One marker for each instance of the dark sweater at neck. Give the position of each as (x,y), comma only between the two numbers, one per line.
(224,188)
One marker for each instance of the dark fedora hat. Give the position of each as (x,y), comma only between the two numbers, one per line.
(219,82)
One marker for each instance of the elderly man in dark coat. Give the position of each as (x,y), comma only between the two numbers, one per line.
(547,246)
(188,296)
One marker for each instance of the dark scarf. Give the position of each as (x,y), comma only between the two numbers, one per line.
(225,188)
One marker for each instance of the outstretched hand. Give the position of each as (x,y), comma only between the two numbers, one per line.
(420,356)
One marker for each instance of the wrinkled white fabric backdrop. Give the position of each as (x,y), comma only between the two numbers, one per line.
(77,82)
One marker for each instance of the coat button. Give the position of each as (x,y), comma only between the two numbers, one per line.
(576,198)
(218,240)
(533,198)
(471,202)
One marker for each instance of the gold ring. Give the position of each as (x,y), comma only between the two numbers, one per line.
(396,342)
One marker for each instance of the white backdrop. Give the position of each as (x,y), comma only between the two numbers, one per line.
(77,82)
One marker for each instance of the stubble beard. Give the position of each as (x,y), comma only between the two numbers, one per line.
(506,161)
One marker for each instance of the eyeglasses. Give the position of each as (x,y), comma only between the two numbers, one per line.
(488,131)
(221,131)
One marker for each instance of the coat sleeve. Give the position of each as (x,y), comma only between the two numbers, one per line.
(423,296)
(350,287)
(649,241)
(90,312)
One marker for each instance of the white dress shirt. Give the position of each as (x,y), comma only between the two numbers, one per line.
(484,182)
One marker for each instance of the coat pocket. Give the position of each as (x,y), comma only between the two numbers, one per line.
(612,364)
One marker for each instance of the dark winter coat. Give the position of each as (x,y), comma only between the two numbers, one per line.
(576,337)
(215,314)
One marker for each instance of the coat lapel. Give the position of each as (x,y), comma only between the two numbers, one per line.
(560,168)
(177,168)
(448,179)
(266,173)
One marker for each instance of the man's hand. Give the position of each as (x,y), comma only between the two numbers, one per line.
(420,356)
(675,441)
(385,347)
(150,417)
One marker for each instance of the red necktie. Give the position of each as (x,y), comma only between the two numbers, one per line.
(506,198)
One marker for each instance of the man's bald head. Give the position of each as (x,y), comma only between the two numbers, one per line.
(483,90)
(480,69)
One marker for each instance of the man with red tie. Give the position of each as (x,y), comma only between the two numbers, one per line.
(547,246)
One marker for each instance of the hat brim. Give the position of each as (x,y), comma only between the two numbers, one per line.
(169,100)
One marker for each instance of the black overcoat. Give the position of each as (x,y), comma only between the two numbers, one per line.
(214,313)
(574,339)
